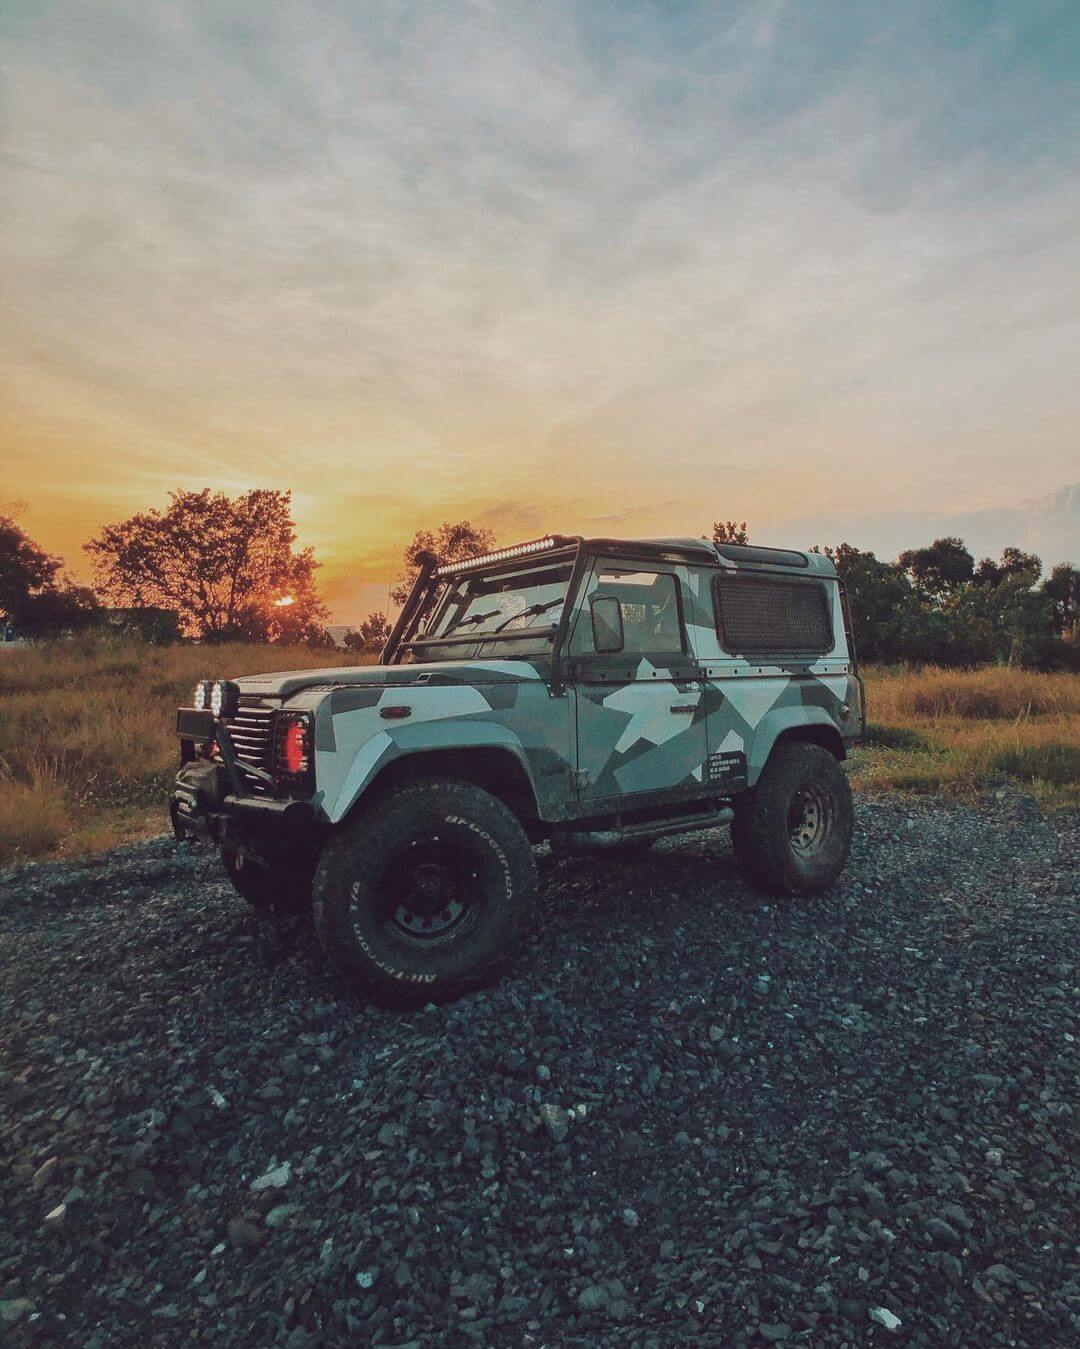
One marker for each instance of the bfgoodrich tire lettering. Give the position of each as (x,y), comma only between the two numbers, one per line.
(792,832)
(424,892)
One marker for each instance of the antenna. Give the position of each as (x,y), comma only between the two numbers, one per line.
(390,581)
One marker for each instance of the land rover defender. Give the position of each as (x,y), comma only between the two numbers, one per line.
(592,694)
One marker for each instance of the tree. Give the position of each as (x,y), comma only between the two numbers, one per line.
(226,565)
(940,568)
(891,619)
(1062,589)
(34,597)
(25,568)
(60,608)
(449,543)
(727,531)
(371,635)
(987,573)
(1015,564)
(1010,623)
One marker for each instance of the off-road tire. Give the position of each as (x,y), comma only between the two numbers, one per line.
(367,875)
(771,846)
(283,889)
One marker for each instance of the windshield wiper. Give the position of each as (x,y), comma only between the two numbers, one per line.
(473,618)
(530,612)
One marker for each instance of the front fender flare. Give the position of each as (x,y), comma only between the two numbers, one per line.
(387,745)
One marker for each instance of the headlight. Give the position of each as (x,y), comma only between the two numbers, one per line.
(224,700)
(202,695)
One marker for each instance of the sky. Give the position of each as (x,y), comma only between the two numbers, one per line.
(616,268)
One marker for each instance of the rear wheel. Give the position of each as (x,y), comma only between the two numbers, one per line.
(423,894)
(792,832)
(268,889)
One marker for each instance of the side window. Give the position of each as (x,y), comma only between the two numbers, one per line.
(765,615)
(649,606)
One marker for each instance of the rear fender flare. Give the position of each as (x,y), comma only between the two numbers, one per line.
(789,722)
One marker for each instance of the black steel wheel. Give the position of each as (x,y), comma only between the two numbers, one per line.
(429,889)
(423,893)
(792,832)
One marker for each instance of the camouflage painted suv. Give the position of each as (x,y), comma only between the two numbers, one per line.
(590,693)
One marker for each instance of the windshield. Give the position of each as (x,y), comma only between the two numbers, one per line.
(514,605)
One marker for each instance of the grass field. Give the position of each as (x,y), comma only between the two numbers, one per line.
(87,746)
(87,742)
(960,732)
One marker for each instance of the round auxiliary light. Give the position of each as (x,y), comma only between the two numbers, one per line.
(217,697)
(201,698)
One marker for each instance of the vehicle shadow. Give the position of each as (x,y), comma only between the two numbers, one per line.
(580,894)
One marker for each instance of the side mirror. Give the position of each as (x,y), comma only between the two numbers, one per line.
(607,624)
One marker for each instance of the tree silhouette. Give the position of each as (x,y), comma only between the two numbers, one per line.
(34,597)
(450,543)
(940,568)
(727,531)
(226,565)
(1015,564)
(370,635)
(1062,589)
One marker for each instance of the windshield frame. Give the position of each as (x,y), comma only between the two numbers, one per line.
(442,591)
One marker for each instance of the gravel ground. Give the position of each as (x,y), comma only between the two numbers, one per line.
(688,1115)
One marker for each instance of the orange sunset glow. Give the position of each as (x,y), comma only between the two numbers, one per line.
(616,272)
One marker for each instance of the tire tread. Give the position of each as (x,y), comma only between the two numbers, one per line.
(759,831)
(337,867)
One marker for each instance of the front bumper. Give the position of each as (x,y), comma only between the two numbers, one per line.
(210,797)
(194,813)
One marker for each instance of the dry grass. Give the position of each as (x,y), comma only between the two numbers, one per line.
(960,732)
(991,694)
(87,747)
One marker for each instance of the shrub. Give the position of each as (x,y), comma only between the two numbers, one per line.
(1055,762)
(34,816)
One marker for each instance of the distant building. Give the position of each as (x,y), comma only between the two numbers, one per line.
(159,626)
(339,631)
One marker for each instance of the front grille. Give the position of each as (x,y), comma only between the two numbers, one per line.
(252,733)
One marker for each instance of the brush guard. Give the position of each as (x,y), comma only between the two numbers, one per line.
(212,799)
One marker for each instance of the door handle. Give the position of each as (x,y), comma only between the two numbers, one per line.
(690,708)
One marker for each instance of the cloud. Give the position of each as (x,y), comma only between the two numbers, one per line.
(429,261)
(1048,526)
(629,512)
(513,518)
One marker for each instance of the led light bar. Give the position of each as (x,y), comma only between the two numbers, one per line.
(502,555)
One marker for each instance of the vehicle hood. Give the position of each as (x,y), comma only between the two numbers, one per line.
(284,683)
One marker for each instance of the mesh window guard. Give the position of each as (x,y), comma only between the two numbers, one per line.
(763,615)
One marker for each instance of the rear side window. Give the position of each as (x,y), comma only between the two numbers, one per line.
(766,615)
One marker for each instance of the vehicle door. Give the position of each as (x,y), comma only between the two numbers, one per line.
(638,695)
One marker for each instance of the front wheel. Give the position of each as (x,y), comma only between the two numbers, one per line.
(268,889)
(423,894)
(792,832)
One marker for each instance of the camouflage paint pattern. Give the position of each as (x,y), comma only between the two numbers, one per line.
(631,729)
